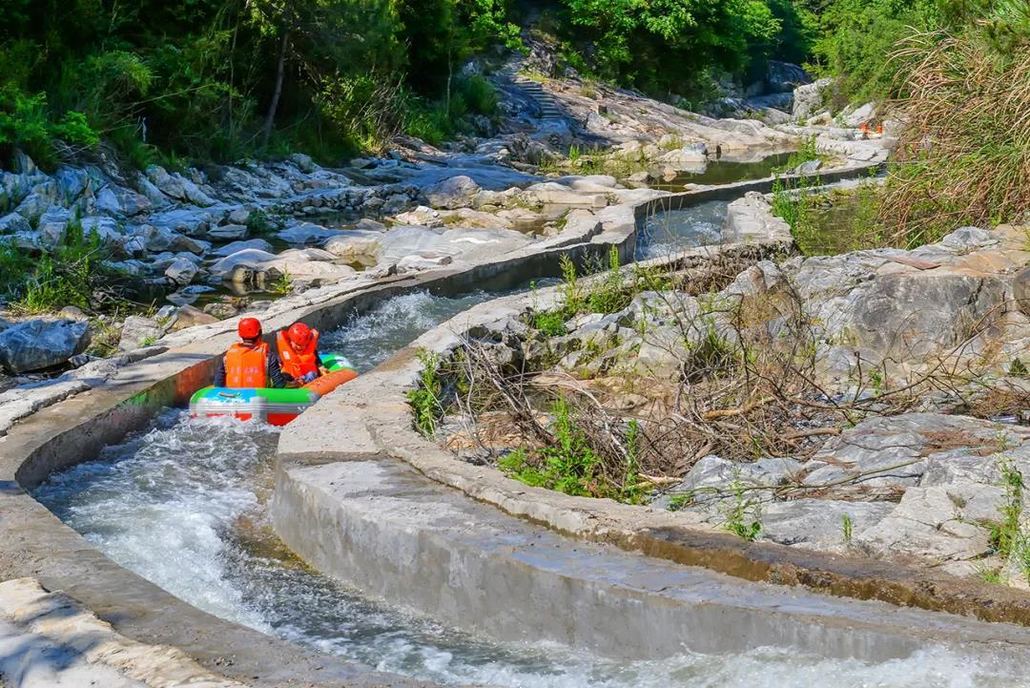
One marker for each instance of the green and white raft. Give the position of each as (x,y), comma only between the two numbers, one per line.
(273,406)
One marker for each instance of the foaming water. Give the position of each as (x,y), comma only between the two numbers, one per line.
(677,230)
(183,505)
(372,337)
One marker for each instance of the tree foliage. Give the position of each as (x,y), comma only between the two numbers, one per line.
(222,79)
(669,45)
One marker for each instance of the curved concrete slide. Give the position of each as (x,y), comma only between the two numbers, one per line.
(468,546)
(61,432)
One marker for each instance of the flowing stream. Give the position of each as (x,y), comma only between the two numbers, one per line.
(182,504)
(677,230)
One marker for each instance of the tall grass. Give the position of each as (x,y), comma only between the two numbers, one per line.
(964,151)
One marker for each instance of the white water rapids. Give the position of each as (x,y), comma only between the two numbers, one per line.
(181,504)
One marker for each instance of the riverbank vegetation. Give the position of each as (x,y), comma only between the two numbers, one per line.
(210,80)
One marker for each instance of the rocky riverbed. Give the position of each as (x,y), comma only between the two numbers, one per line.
(869,403)
(202,245)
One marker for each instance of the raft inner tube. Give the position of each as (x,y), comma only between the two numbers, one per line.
(272,405)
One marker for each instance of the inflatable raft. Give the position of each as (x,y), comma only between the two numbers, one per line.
(273,406)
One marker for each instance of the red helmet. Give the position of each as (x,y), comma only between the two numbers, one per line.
(299,334)
(249,328)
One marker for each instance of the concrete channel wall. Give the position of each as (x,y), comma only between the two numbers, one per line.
(347,502)
(34,543)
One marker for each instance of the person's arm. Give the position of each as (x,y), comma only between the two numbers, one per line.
(322,370)
(276,378)
(219,380)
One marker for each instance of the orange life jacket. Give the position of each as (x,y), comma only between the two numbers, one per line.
(297,364)
(246,366)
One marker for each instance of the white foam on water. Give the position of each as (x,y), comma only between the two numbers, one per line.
(167,504)
(669,232)
(370,338)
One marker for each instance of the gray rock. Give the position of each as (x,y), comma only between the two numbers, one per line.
(355,246)
(195,195)
(239,216)
(819,523)
(109,232)
(139,332)
(414,263)
(181,271)
(71,183)
(423,215)
(167,184)
(862,113)
(782,77)
(929,523)
(303,162)
(967,239)
(38,201)
(808,167)
(178,187)
(715,472)
(221,310)
(231,248)
(116,200)
(13,223)
(23,164)
(808,99)
(1020,289)
(40,343)
(150,191)
(299,233)
(191,221)
(53,225)
(229,232)
(455,192)
(892,452)
(688,157)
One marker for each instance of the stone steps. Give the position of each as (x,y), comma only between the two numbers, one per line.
(549,109)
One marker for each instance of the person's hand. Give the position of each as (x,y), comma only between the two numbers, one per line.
(310,376)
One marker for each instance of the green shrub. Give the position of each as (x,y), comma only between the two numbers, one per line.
(479,95)
(424,399)
(572,466)
(26,123)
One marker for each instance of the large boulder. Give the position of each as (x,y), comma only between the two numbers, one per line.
(862,113)
(181,271)
(553,193)
(231,248)
(303,233)
(116,200)
(71,183)
(690,157)
(38,201)
(178,187)
(229,232)
(423,215)
(42,343)
(193,221)
(784,77)
(810,98)
(455,192)
(247,257)
(355,246)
